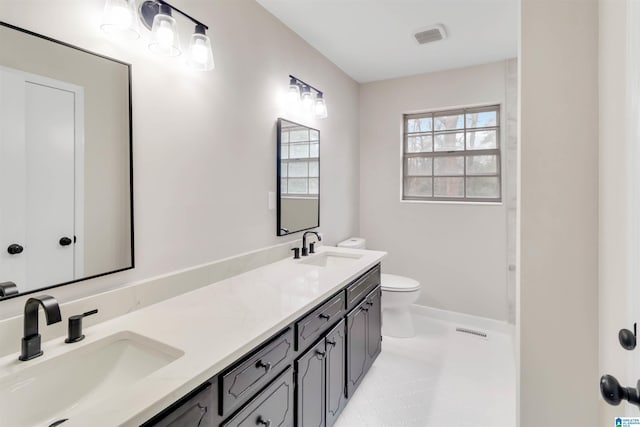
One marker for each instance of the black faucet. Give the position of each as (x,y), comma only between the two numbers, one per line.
(31,340)
(8,289)
(305,251)
(75,326)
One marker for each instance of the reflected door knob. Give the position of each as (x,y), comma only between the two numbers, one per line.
(65,241)
(627,338)
(15,249)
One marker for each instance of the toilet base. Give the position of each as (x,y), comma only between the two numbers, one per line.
(397,323)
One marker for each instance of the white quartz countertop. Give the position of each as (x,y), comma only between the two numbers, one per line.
(214,326)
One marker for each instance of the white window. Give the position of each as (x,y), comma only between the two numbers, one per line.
(299,161)
(452,155)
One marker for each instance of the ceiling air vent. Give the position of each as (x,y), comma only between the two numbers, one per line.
(431,34)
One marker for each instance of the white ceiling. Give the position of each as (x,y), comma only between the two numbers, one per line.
(373,39)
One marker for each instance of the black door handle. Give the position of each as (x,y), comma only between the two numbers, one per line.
(627,338)
(65,241)
(15,249)
(263,422)
(614,393)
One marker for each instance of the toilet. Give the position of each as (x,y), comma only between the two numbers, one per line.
(398,293)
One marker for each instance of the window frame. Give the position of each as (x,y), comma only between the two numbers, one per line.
(464,153)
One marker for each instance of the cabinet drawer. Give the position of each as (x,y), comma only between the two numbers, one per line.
(314,324)
(273,407)
(194,410)
(362,286)
(241,382)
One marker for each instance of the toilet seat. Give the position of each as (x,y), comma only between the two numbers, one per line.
(394,283)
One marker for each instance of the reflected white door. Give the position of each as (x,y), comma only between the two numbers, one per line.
(39,144)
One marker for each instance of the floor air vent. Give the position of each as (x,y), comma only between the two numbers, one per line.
(472,332)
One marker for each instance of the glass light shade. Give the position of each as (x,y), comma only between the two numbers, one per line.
(306,98)
(119,19)
(200,55)
(320,107)
(293,95)
(164,36)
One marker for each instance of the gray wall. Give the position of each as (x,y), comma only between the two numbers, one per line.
(559,214)
(205,143)
(458,251)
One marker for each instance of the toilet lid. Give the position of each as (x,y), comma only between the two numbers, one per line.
(391,282)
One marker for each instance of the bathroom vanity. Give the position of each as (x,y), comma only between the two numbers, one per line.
(302,376)
(284,344)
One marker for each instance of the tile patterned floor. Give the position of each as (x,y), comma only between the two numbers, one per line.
(440,378)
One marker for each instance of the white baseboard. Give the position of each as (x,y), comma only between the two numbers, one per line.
(464,319)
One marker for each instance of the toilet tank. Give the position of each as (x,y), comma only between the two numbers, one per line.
(354,243)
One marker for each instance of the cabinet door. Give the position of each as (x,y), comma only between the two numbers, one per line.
(336,374)
(357,322)
(374,323)
(310,393)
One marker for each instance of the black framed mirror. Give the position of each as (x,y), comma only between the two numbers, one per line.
(298,197)
(66,171)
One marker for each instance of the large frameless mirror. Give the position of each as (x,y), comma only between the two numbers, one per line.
(298,177)
(65,163)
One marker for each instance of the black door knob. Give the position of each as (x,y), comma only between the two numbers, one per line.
(65,241)
(613,393)
(15,249)
(627,339)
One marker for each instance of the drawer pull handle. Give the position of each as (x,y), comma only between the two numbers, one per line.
(331,343)
(266,366)
(365,308)
(262,421)
(325,316)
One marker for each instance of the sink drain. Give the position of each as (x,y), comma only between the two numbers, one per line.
(57,423)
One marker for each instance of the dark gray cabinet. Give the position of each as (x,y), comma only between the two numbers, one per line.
(310,392)
(195,410)
(356,347)
(336,372)
(272,407)
(311,327)
(361,287)
(320,380)
(374,326)
(330,351)
(363,339)
(241,382)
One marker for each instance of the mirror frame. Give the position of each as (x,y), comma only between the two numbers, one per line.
(129,89)
(278,179)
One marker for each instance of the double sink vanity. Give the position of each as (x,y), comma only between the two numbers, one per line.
(281,345)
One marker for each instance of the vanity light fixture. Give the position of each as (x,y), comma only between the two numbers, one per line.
(156,16)
(200,53)
(119,19)
(302,95)
(320,107)
(293,95)
(306,98)
(164,33)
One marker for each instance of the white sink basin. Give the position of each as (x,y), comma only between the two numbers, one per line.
(331,259)
(51,390)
